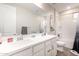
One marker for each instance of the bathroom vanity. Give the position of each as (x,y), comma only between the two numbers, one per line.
(39,45)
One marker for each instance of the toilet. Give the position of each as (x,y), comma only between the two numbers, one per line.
(60,45)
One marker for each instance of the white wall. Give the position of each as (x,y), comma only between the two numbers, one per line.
(24,17)
(68,30)
(58,22)
(7,19)
(68,26)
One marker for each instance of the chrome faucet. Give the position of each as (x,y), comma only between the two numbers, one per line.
(44,33)
(20,37)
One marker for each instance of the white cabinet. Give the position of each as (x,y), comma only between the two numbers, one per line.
(40,53)
(54,47)
(25,52)
(38,50)
(38,47)
(46,48)
(51,47)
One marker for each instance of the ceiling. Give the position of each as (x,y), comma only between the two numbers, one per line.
(63,6)
(58,6)
(30,6)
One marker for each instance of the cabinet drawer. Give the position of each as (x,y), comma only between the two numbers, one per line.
(38,47)
(25,52)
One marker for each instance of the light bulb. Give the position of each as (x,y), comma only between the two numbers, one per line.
(39,5)
(68,7)
(75,15)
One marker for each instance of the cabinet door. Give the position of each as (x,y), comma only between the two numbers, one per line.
(54,47)
(48,48)
(51,47)
(38,50)
(38,47)
(40,53)
(25,52)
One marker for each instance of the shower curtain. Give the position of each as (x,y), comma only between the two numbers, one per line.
(76,43)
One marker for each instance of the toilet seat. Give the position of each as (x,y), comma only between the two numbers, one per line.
(60,46)
(60,43)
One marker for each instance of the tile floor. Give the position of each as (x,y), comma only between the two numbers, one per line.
(66,52)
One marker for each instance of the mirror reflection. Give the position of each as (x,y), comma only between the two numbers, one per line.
(25,18)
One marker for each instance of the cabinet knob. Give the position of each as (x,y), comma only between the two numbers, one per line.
(49,50)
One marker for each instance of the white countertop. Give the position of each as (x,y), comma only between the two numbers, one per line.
(27,42)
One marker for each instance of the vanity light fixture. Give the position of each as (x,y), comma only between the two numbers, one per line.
(39,5)
(76,15)
(68,7)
